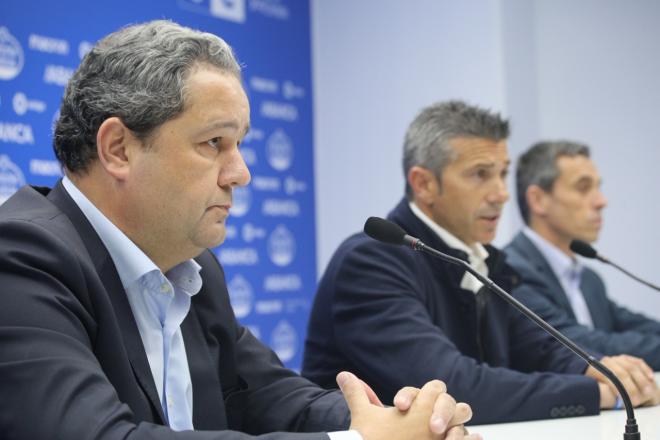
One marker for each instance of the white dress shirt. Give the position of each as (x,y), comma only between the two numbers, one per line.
(160,303)
(476,253)
(569,273)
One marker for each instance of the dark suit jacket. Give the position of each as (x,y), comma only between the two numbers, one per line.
(72,364)
(396,317)
(616,330)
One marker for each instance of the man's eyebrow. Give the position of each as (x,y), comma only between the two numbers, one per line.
(490,164)
(219,125)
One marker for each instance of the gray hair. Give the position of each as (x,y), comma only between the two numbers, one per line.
(538,166)
(137,74)
(427,139)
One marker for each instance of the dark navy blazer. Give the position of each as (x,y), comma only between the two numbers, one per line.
(72,364)
(396,317)
(616,329)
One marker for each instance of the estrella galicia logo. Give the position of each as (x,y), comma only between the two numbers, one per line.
(281,246)
(11,178)
(11,55)
(233,10)
(241,201)
(279,150)
(284,340)
(240,296)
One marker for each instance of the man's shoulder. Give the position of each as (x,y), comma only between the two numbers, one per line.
(521,254)
(29,209)
(28,203)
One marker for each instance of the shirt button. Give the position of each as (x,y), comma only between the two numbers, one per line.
(165,288)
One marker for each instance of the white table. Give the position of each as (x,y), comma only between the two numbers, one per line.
(609,425)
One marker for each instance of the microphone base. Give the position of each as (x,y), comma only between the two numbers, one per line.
(632,431)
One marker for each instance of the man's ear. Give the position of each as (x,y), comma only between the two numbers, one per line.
(424,184)
(537,200)
(114,145)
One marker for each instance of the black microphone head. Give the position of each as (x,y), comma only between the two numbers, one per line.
(384,230)
(583,248)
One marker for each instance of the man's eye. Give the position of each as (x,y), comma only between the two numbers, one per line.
(215,142)
(482,173)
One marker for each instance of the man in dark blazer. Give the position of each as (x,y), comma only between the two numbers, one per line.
(560,200)
(114,316)
(396,316)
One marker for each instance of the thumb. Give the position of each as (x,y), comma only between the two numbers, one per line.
(353,390)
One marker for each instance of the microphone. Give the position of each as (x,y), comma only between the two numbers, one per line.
(586,250)
(383,230)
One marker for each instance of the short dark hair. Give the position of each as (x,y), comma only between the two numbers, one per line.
(427,139)
(538,166)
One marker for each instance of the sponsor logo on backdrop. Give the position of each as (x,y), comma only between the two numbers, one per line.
(11,178)
(279,110)
(279,150)
(296,305)
(11,55)
(238,256)
(41,43)
(240,296)
(251,232)
(22,104)
(233,10)
(231,232)
(284,340)
(269,307)
(57,75)
(270,8)
(41,167)
(84,48)
(264,85)
(16,132)
(264,183)
(280,208)
(292,186)
(241,201)
(249,156)
(282,283)
(291,91)
(281,246)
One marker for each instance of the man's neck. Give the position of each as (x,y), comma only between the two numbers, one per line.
(551,236)
(106,198)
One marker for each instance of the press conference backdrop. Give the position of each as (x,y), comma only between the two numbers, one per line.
(269,255)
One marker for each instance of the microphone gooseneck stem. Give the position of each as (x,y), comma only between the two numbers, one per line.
(632,432)
(634,277)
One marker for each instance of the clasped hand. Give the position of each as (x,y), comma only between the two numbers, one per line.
(426,413)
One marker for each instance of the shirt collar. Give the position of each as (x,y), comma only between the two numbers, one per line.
(561,264)
(130,261)
(476,251)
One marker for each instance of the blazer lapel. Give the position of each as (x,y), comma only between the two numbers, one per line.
(110,278)
(536,259)
(208,407)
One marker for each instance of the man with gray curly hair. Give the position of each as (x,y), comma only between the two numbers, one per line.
(396,316)
(115,321)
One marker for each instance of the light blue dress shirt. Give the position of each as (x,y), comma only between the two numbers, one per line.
(159,302)
(569,273)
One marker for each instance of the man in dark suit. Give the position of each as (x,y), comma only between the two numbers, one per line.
(395,316)
(560,200)
(114,317)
